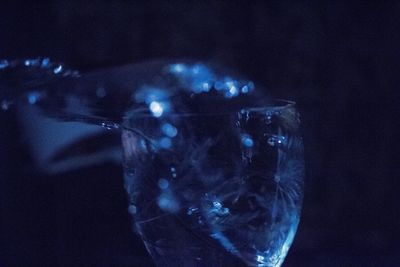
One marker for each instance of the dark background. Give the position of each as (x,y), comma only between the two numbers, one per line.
(338,60)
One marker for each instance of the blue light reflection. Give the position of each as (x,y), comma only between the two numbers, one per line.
(169,130)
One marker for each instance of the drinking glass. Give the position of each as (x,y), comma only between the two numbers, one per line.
(213,169)
(222,186)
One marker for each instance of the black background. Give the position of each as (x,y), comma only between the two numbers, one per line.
(338,60)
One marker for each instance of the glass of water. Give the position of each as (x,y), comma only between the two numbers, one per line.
(218,186)
(213,170)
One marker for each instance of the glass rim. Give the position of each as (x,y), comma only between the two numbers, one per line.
(271,105)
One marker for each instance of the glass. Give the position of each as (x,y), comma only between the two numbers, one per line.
(213,170)
(215,189)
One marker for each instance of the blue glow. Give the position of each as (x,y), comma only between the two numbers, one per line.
(149,94)
(45,62)
(168,203)
(219,209)
(206,86)
(197,78)
(219,85)
(58,69)
(4,64)
(247,140)
(177,68)
(29,62)
(233,90)
(156,109)
(165,142)
(217,204)
(197,68)
(169,130)
(33,97)
(245,89)
(163,183)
